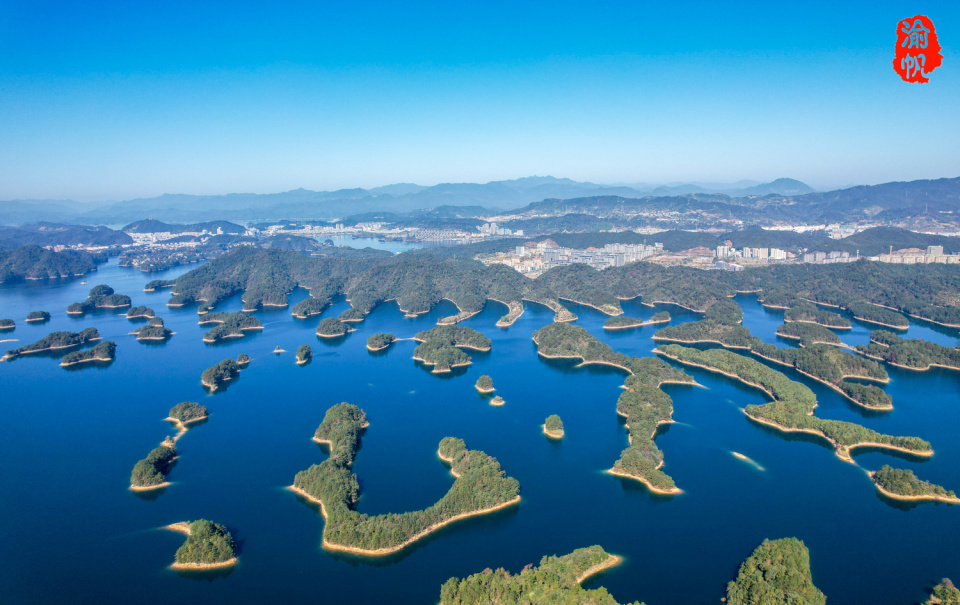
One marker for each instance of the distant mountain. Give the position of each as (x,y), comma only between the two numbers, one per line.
(55,234)
(780,187)
(155,226)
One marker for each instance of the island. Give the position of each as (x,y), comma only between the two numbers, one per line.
(104,351)
(806,312)
(331,327)
(208,546)
(441,347)
(38,316)
(309,307)
(903,484)
(944,593)
(911,354)
(622,322)
(642,402)
(876,314)
(553,427)
(100,297)
(7,324)
(485,384)
(55,341)
(304,354)
(243,360)
(497,401)
(215,376)
(793,404)
(229,325)
(380,341)
(817,358)
(184,414)
(480,486)
(32,262)
(150,473)
(778,571)
(555,580)
(154,330)
(140,312)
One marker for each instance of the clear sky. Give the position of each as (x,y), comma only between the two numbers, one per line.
(106,100)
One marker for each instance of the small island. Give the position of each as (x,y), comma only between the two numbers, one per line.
(140,313)
(38,316)
(100,297)
(480,486)
(381,341)
(808,333)
(243,360)
(208,546)
(55,341)
(944,593)
(555,580)
(903,484)
(622,322)
(911,354)
(805,312)
(150,473)
(441,347)
(778,571)
(553,427)
(881,316)
(154,330)
(485,384)
(497,401)
(7,324)
(184,414)
(331,327)
(230,325)
(104,351)
(309,307)
(215,376)
(304,354)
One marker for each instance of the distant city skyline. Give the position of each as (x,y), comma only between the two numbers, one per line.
(105,101)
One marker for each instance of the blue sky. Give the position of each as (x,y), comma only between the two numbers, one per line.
(117,100)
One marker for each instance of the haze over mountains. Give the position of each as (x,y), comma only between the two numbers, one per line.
(400,197)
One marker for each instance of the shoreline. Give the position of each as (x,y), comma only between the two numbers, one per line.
(648,322)
(147,488)
(509,319)
(88,360)
(605,312)
(8,356)
(348,330)
(484,391)
(183,527)
(392,549)
(550,434)
(657,490)
(920,498)
(612,561)
(816,323)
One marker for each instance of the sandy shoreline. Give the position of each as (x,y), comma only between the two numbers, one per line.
(88,360)
(648,322)
(880,323)
(920,498)
(646,482)
(183,527)
(612,561)
(551,434)
(816,323)
(147,488)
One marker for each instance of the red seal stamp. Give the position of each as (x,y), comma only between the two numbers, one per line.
(918,51)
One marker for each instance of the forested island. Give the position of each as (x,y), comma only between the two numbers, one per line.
(100,297)
(33,262)
(553,427)
(817,359)
(944,593)
(380,341)
(420,279)
(208,545)
(304,354)
(914,354)
(55,341)
(622,322)
(778,571)
(806,312)
(184,414)
(793,404)
(37,316)
(140,312)
(480,486)
(154,330)
(903,484)
(7,324)
(243,360)
(555,580)
(150,473)
(103,351)
(216,375)
(642,402)
(230,325)
(308,307)
(331,327)
(485,384)
(440,347)
(879,315)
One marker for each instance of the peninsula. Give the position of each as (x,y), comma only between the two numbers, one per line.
(622,322)
(104,351)
(208,546)
(912,354)
(553,427)
(215,376)
(55,341)
(480,486)
(793,404)
(903,484)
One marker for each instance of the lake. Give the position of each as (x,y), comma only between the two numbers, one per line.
(73,532)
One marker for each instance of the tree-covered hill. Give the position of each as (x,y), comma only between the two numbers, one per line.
(34,262)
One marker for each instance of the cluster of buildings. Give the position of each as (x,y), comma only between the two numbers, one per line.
(159,237)
(533,258)
(493,229)
(918,256)
(729,252)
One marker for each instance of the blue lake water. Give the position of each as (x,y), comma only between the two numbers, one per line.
(72,532)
